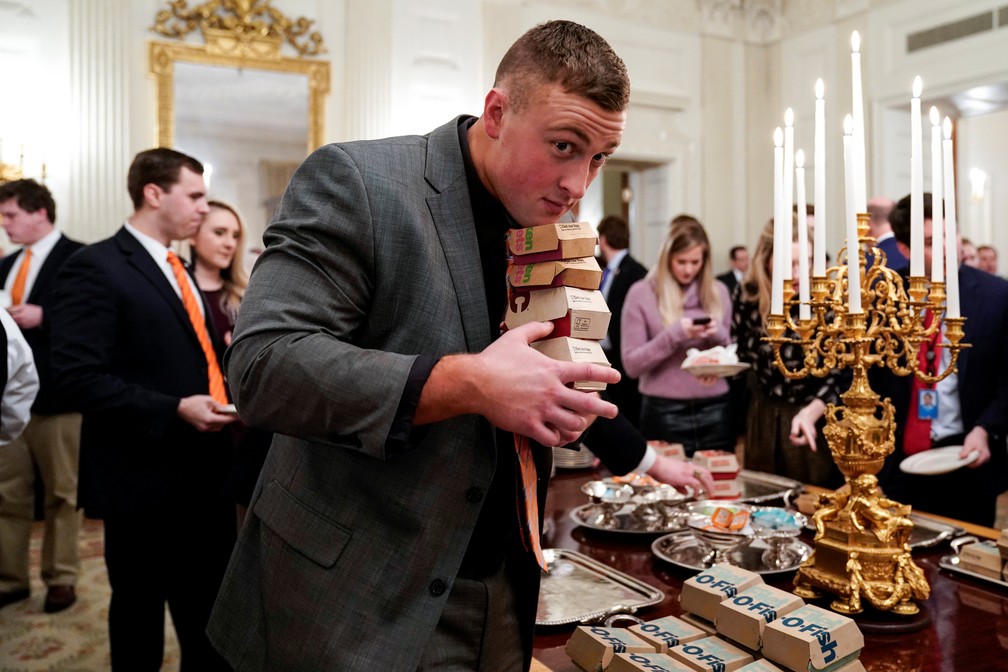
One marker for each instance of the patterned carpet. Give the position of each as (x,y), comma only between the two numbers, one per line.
(75,640)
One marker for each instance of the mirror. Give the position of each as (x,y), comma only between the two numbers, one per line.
(247,113)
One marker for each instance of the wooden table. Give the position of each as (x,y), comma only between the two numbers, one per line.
(969,628)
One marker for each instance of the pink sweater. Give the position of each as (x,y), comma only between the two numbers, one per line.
(654,353)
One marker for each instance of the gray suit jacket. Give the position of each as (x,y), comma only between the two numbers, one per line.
(371,260)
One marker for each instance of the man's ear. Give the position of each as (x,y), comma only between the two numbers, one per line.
(903,248)
(152,194)
(494,105)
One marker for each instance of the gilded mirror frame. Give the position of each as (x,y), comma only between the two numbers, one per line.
(162,57)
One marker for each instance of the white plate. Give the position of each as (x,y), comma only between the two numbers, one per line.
(719,370)
(936,461)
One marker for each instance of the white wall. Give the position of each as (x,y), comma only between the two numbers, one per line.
(981,146)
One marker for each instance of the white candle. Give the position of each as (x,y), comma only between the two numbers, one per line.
(804,310)
(951,229)
(788,185)
(860,178)
(819,225)
(776,288)
(853,265)
(937,201)
(916,184)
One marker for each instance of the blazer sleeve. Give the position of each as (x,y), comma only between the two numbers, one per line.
(306,359)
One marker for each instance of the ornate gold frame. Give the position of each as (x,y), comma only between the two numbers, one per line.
(242,34)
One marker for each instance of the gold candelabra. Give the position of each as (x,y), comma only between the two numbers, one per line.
(861,541)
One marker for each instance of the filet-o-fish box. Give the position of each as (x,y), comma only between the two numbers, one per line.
(578,313)
(812,639)
(664,633)
(592,647)
(743,618)
(575,350)
(582,272)
(701,594)
(761,665)
(646,662)
(711,654)
(563,240)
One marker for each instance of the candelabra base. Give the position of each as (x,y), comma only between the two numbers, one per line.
(861,553)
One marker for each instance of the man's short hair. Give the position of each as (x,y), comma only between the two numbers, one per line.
(569,54)
(30,196)
(734,250)
(899,217)
(160,166)
(616,232)
(980,248)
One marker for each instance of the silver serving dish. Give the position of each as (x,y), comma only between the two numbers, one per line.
(951,563)
(578,589)
(633,506)
(759,487)
(720,541)
(778,528)
(684,550)
(622,521)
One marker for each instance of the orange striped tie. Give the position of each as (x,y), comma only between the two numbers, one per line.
(217,389)
(17,289)
(528,500)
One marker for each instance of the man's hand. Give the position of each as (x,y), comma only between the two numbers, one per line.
(681,473)
(976,441)
(26,315)
(517,388)
(204,413)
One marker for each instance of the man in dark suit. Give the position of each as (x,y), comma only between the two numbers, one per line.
(384,533)
(972,405)
(51,441)
(738,257)
(134,349)
(621,271)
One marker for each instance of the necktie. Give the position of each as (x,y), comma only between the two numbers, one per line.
(528,500)
(217,389)
(17,289)
(602,285)
(917,432)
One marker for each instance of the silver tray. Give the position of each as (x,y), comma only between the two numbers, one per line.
(951,563)
(928,532)
(578,589)
(758,487)
(628,523)
(683,550)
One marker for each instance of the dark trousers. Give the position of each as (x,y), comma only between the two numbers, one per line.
(698,424)
(172,558)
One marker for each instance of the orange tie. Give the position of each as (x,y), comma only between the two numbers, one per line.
(17,290)
(217,389)
(528,500)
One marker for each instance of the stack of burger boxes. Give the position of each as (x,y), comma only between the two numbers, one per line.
(986,558)
(731,622)
(724,469)
(553,277)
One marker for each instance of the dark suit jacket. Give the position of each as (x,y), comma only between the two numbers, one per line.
(42,293)
(982,379)
(730,281)
(371,262)
(627,273)
(124,353)
(894,258)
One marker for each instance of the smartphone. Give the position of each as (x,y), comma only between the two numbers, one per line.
(702,320)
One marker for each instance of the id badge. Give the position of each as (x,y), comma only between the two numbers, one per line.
(927,404)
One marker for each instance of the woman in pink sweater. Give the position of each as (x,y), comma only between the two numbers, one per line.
(678,306)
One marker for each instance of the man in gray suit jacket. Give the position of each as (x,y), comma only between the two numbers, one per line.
(384,533)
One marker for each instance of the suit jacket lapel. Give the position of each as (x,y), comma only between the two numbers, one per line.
(451,210)
(137,257)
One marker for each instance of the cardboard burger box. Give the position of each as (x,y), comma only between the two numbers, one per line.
(592,647)
(743,618)
(549,242)
(567,349)
(1002,544)
(701,594)
(646,662)
(582,272)
(578,313)
(664,633)
(673,450)
(730,489)
(812,639)
(723,465)
(983,558)
(711,653)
